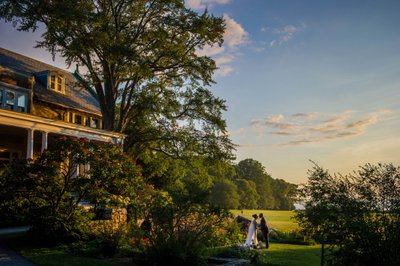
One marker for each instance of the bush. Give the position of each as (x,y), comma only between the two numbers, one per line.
(181,234)
(50,190)
(295,237)
(358,214)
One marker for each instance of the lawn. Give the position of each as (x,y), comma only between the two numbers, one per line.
(292,255)
(284,254)
(279,220)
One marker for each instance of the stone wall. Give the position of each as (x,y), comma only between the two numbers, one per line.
(112,219)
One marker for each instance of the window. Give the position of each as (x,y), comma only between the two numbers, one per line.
(11,100)
(56,83)
(94,122)
(78,119)
(21,102)
(53,82)
(87,121)
(59,83)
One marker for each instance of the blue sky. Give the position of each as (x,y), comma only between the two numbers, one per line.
(303,80)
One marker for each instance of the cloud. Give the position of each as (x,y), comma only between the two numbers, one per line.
(202,4)
(224,59)
(210,50)
(309,115)
(224,70)
(305,128)
(274,121)
(234,36)
(241,131)
(284,33)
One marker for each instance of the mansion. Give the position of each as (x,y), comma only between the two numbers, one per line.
(40,102)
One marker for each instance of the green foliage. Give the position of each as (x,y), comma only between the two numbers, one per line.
(52,190)
(181,232)
(137,53)
(248,194)
(296,237)
(225,194)
(272,193)
(254,171)
(359,213)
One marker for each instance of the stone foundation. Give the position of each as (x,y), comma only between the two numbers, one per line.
(111,219)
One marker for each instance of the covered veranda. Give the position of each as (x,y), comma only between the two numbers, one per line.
(26,136)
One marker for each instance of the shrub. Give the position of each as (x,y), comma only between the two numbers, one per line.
(181,233)
(51,190)
(296,237)
(358,214)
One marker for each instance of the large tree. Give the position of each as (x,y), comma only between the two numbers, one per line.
(134,51)
(253,170)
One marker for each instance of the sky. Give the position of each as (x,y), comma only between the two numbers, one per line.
(303,80)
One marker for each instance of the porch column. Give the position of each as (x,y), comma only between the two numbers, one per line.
(44,141)
(29,148)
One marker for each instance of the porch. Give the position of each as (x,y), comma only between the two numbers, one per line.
(24,135)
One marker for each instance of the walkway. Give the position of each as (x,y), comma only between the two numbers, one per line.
(9,257)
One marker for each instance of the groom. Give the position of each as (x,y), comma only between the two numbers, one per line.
(264,230)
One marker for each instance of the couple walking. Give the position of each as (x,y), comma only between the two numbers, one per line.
(251,238)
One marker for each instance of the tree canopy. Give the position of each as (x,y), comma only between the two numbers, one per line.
(359,214)
(272,193)
(135,52)
(140,57)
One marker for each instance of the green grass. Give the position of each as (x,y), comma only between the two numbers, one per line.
(284,254)
(291,255)
(280,220)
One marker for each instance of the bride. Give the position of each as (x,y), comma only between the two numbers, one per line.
(252,232)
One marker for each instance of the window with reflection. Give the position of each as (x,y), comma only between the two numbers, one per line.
(10,100)
(94,122)
(13,100)
(21,102)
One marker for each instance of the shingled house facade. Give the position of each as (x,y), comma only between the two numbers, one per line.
(39,102)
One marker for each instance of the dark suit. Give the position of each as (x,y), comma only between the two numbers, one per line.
(264,231)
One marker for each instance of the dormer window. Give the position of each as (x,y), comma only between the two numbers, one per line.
(56,82)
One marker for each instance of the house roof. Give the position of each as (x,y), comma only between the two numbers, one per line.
(76,95)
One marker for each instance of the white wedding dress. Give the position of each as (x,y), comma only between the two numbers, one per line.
(251,235)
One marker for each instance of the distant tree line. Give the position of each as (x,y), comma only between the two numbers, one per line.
(247,185)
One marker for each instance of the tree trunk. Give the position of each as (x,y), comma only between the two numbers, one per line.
(322,253)
(108,120)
